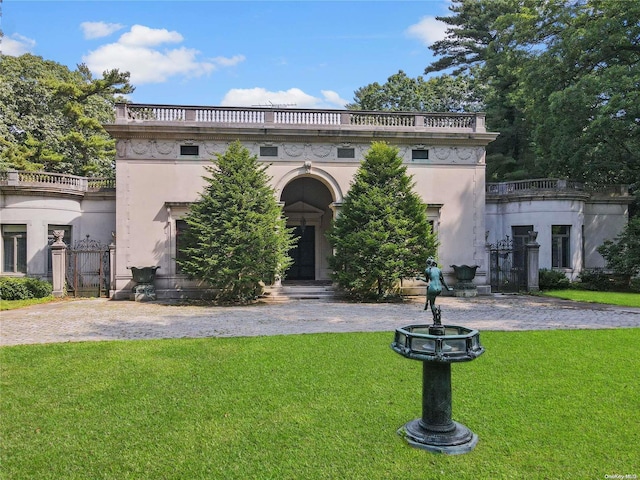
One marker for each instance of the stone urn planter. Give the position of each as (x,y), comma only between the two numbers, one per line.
(465,275)
(144,277)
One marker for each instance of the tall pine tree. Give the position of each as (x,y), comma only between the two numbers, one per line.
(382,234)
(237,236)
(51,117)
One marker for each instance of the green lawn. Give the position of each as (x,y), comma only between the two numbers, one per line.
(612,298)
(13,304)
(547,405)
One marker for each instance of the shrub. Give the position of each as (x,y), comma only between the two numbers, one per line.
(623,253)
(382,234)
(12,288)
(552,280)
(38,288)
(599,280)
(219,246)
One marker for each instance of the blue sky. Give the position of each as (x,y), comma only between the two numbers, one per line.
(312,54)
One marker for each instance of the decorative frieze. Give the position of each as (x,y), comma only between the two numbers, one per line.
(321,151)
(293,150)
(213,148)
(326,152)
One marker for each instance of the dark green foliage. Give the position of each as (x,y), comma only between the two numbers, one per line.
(623,253)
(581,89)
(475,42)
(446,93)
(470,35)
(559,80)
(564,83)
(23,288)
(382,234)
(552,280)
(598,280)
(237,237)
(51,117)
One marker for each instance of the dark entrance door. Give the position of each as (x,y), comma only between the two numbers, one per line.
(303,255)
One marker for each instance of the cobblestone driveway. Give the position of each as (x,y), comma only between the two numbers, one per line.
(101,319)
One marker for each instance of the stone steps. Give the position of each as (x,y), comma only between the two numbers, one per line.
(296,292)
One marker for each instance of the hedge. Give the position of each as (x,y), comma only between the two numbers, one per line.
(23,288)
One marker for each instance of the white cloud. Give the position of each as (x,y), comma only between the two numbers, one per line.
(228,62)
(334,98)
(139,51)
(16,45)
(99,29)
(141,36)
(247,97)
(428,30)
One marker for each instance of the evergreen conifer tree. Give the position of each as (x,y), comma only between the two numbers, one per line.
(236,236)
(382,234)
(623,253)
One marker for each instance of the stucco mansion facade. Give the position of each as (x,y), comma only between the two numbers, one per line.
(312,156)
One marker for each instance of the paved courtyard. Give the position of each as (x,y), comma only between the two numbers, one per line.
(101,319)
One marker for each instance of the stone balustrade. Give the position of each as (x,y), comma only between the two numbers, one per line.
(532,186)
(287,117)
(55,182)
(546,186)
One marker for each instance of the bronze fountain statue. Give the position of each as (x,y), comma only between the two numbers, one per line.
(435,281)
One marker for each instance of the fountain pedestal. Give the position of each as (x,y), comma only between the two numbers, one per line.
(436,431)
(437,346)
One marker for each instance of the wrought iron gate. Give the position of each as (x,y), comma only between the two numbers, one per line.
(508,266)
(88,269)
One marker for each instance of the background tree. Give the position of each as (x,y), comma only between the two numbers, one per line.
(474,42)
(581,88)
(561,84)
(51,117)
(236,236)
(563,80)
(445,93)
(382,234)
(623,253)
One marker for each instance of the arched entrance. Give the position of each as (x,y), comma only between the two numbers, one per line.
(307,208)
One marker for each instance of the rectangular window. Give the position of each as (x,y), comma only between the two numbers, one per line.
(268,151)
(14,248)
(419,154)
(346,153)
(432,227)
(189,150)
(66,239)
(520,235)
(560,241)
(181,228)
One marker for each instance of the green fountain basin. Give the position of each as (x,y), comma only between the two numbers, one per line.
(457,344)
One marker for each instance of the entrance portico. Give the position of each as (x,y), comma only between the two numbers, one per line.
(307,205)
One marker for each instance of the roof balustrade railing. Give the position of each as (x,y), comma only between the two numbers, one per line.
(55,181)
(253,116)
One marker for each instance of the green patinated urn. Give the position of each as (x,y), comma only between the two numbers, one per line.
(465,273)
(143,274)
(144,290)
